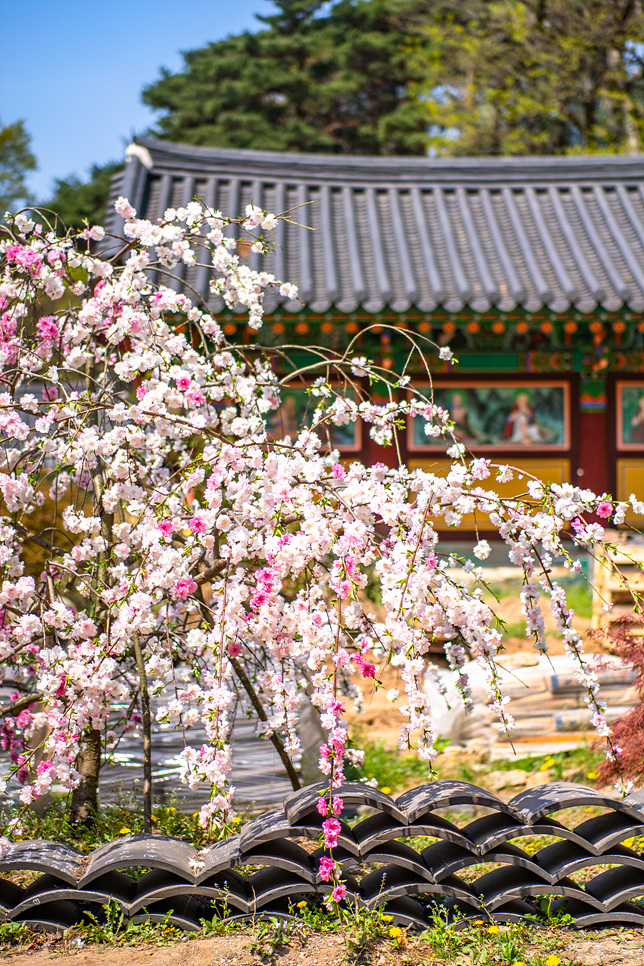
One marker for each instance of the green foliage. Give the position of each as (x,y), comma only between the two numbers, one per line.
(440,937)
(529,77)
(555,915)
(360,927)
(16,160)
(574,765)
(392,770)
(333,78)
(270,935)
(113,929)
(486,943)
(314,914)
(14,934)
(76,201)
(364,927)
(112,821)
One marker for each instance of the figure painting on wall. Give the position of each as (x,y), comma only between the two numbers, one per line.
(500,415)
(637,422)
(459,411)
(630,415)
(295,411)
(521,426)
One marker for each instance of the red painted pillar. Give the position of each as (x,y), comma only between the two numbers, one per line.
(594,454)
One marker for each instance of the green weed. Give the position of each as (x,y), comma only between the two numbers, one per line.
(576,764)
(393,770)
(115,930)
(270,935)
(121,818)
(14,934)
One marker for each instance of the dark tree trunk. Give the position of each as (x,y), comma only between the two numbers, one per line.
(84,806)
(146,724)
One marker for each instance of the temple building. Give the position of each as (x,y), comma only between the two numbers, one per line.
(530,269)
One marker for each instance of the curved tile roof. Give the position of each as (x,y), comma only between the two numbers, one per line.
(423,233)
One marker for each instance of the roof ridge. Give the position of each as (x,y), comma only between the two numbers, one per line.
(453,171)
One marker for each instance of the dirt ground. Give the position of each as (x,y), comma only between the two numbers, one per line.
(624,948)
(382,718)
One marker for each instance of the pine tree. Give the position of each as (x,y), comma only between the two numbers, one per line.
(317,78)
(76,201)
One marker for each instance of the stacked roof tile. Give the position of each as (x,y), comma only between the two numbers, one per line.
(418,233)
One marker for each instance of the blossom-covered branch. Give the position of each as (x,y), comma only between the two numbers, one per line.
(189,551)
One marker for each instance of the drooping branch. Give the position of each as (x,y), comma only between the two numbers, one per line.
(261,714)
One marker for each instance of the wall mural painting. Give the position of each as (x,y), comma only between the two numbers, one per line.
(296,409)
(630,416)
(501,415)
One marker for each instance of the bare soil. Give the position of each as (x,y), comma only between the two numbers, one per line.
(614,948)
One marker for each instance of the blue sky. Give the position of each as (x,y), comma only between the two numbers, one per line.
(74,69)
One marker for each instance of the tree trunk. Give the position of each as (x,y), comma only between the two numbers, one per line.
(146,726)
(84,806)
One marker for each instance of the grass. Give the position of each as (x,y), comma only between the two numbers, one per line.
(579,597)
(393,770)
(396,771)
(111,822)
(368,936)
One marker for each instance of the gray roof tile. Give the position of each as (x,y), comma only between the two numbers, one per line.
(405,233)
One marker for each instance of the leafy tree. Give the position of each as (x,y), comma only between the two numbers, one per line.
(16,159)
(508,77)
(76,201)
(191,552)
(319,78)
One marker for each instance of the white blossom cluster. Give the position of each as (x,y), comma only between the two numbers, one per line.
(236,562)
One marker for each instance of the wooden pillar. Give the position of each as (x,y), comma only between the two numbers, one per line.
(593,453)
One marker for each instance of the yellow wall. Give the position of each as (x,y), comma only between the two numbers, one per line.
(630,479)
(552,470)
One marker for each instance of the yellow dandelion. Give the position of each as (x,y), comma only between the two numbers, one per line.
(478,922)
(592,776)
(492,930)
(386,790)
(301,905)
(125,830)
(387,918)
(395,932)
(552,961)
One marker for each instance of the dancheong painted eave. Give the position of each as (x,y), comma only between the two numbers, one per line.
(398,234)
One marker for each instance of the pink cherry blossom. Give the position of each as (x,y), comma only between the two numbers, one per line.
(331,829)
(326,868)
(282,541)
(184,587)
(47,327)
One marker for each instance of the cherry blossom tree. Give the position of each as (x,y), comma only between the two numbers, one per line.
(187,552)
